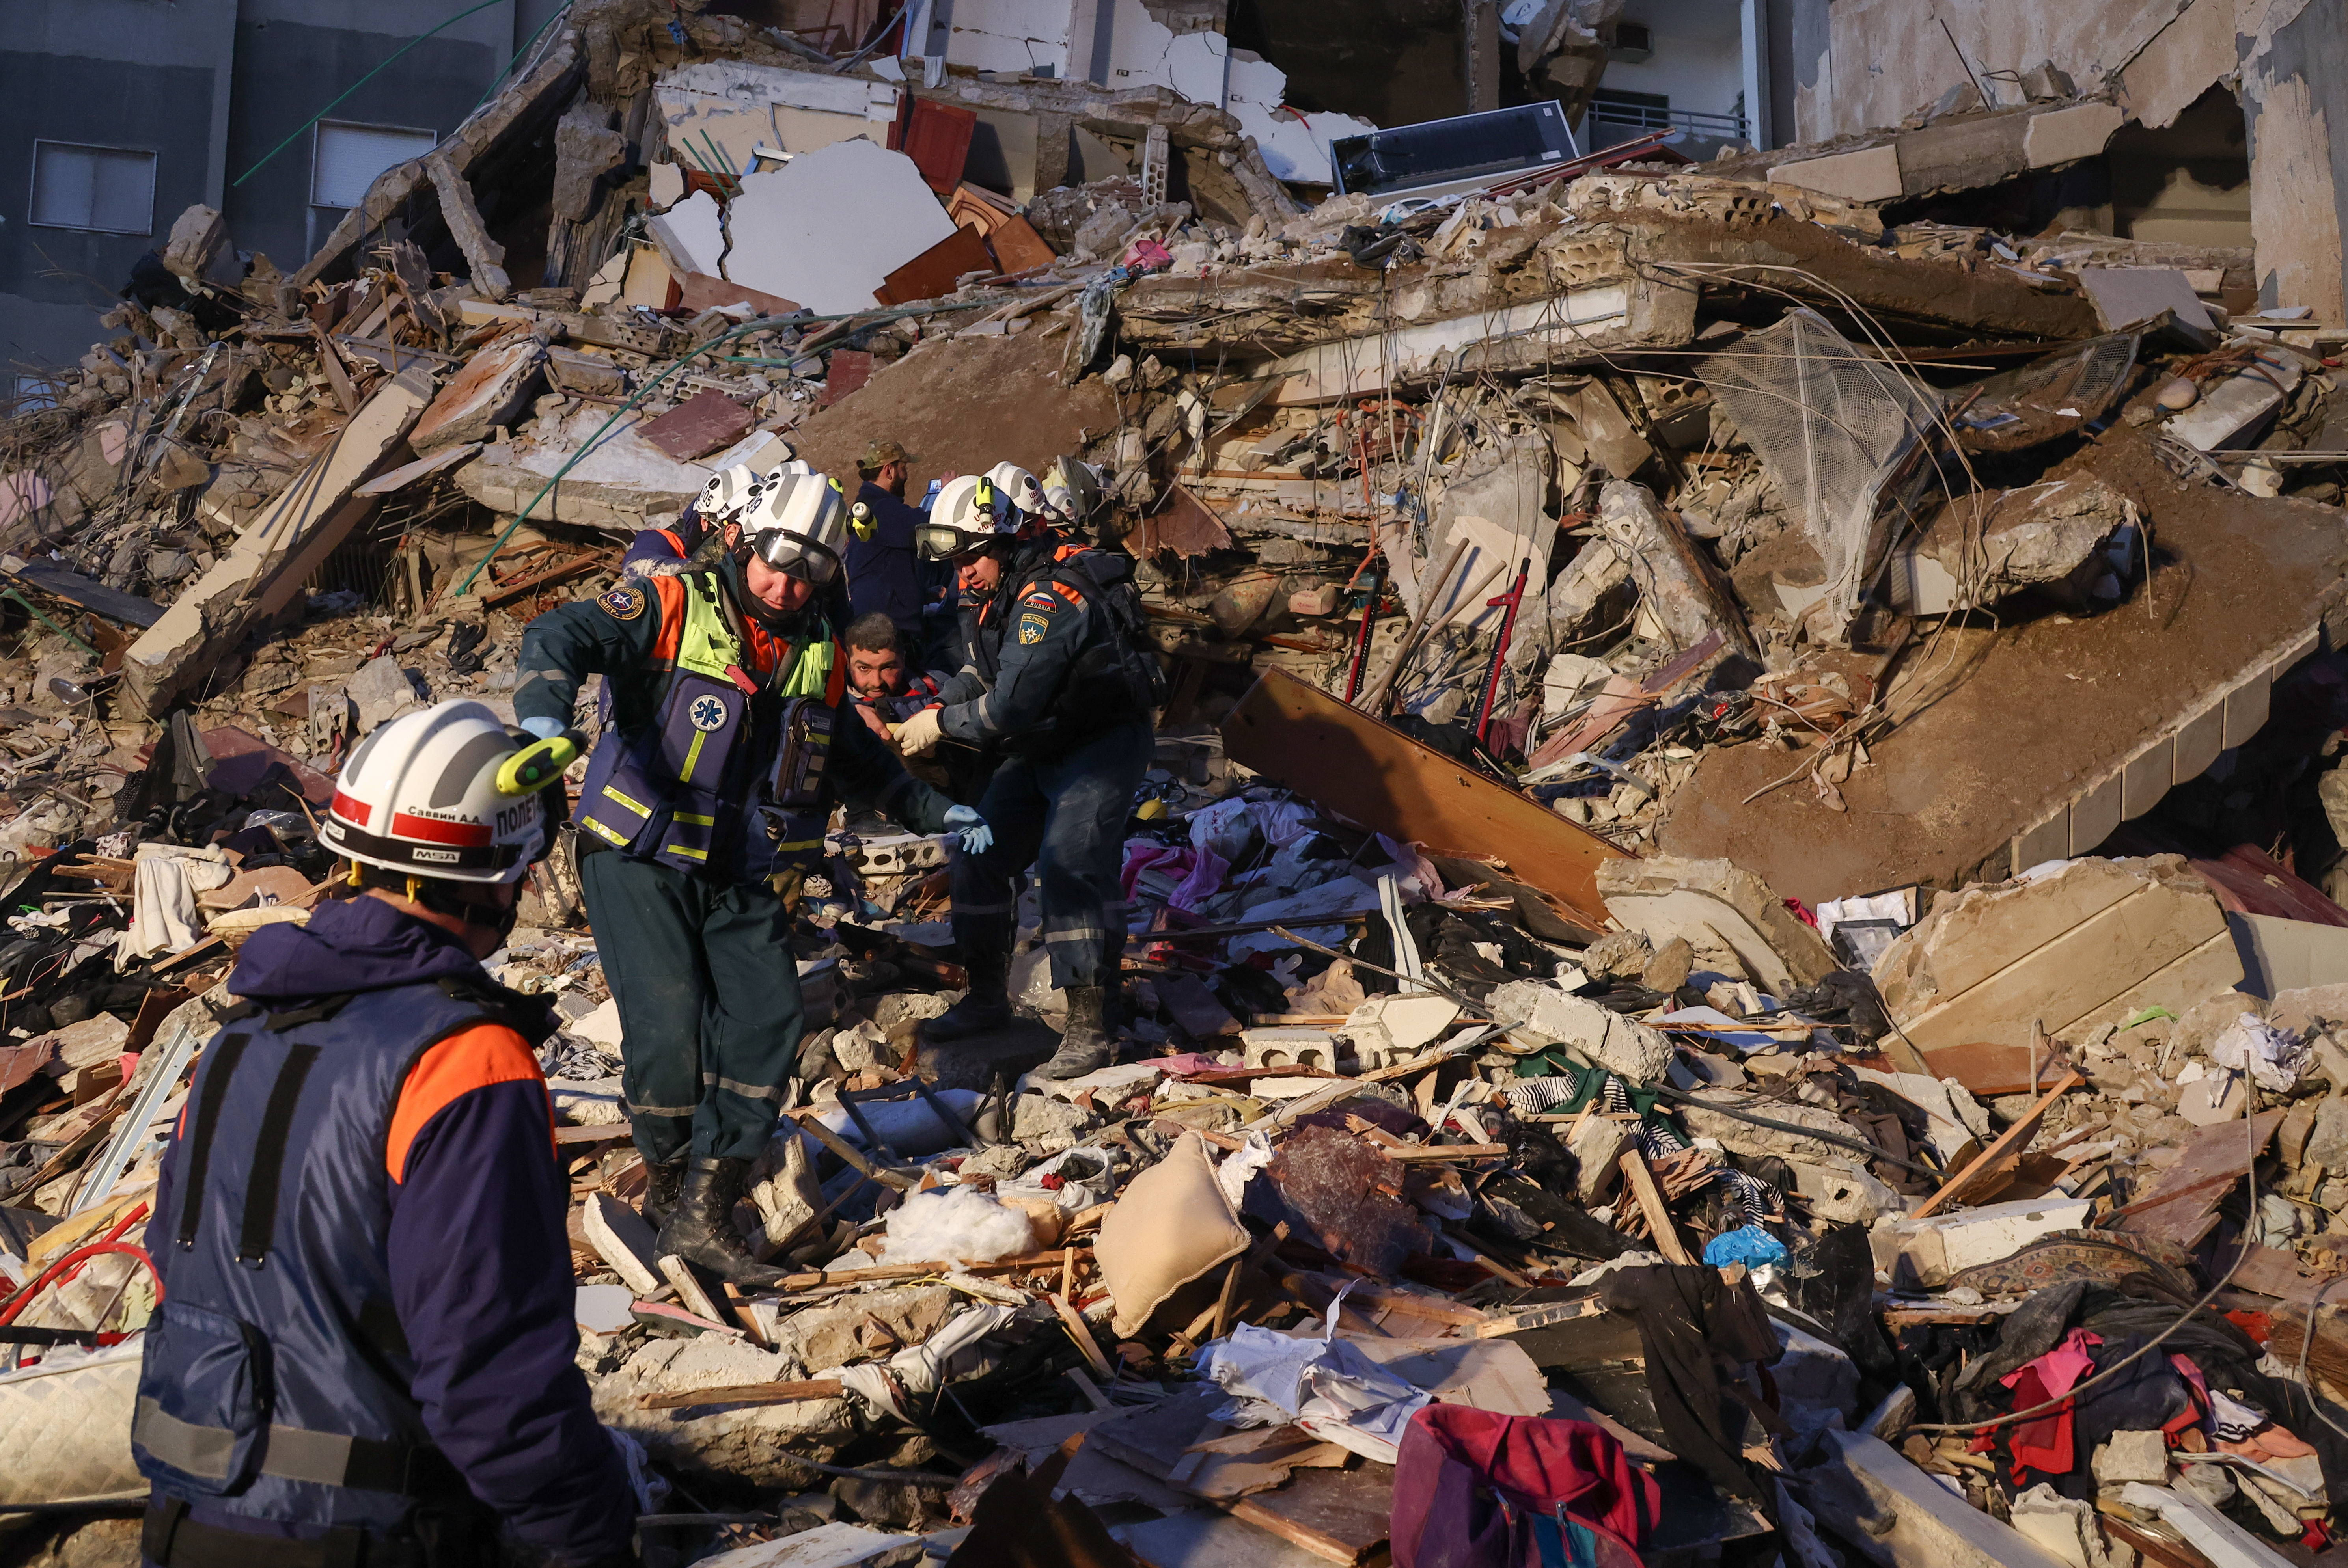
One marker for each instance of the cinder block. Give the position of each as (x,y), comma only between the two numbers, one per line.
(2049,840)
(2246,709)
(2199,743)
(1315,1048)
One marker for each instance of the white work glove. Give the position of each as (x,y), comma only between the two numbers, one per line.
(544,728)
(919,733)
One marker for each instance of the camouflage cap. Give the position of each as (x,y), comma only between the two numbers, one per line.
(879,452)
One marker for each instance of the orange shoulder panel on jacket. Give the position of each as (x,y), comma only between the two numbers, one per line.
(674,543)
(670,592)
(475,1058)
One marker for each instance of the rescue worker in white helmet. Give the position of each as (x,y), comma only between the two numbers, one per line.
(363,1347)
(705,804)
(1057,689)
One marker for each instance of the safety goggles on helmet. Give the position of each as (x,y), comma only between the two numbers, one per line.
(968,512)
(799,526)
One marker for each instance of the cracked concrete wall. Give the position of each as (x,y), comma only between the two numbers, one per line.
(2294,72)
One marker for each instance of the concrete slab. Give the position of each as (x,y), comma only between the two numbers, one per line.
(2067,134)
(1870,174)
(1898,1516)
(828,228)
(1978,762)
(494,388)
(2088,944)
(276,551)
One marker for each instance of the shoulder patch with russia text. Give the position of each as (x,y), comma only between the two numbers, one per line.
(623,603)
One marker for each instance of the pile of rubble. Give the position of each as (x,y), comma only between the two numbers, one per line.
(1740,853)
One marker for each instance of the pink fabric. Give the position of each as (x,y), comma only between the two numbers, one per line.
(1201,872)
(2061,1366)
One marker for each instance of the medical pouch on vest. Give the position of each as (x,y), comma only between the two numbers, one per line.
(671,790)
(200,1429)
(1119,677)
(798,804)
(276,1381)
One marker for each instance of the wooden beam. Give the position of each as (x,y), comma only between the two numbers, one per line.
(1301,738)
(745,1394)
(2001,1156)
(1651,1203)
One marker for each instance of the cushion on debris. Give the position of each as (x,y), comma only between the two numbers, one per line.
(1173,1226)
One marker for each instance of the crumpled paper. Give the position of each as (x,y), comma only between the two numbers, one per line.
(2274,1057)
(1326,1386)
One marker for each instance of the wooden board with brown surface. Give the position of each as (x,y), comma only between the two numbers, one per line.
(1992,1171)
(2182,1205)
(1306,740)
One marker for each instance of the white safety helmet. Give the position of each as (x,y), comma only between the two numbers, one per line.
(1023,488)
(727,492)
(420,796)
(1072,489)
(799,524)
(969,511)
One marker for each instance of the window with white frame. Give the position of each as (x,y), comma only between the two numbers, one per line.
(349,158)
(109,190)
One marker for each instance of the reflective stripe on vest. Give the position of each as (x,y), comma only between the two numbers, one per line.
(675,789)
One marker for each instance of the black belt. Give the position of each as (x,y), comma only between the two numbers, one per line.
(172,1540)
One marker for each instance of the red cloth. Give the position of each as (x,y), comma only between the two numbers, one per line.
(1534,1463)
(2044,1444)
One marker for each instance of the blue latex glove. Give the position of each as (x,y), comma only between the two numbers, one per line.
(977,837)
(545,728)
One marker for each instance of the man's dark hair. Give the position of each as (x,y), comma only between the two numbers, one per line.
(874,634)
(868,471)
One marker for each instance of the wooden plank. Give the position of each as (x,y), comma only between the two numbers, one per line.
(611,1135)
(1544,1317)
(1432,1154)
(1651,1203)
(745,1394)
(1307,740)
(2000,1158)
(1338,1514)
(2214,1151)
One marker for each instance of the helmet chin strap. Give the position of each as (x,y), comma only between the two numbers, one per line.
(437,897)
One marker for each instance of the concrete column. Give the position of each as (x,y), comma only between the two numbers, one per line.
(1754,23)
(1483,55)
(1087,40)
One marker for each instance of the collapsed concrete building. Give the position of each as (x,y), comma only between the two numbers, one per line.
(1767,727)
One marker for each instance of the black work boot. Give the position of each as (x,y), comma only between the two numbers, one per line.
(701,1228)
(1083,1042)
(985,1009)
(661,1180)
